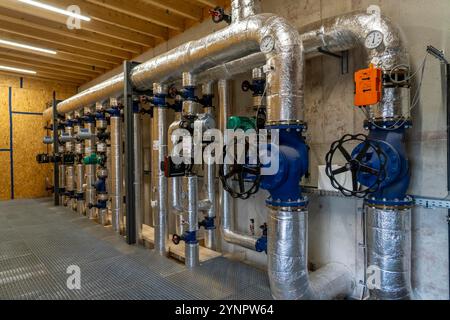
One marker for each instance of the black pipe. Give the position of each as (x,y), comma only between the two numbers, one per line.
(55,151)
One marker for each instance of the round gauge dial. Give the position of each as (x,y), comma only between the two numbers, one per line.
(267,44)
(374,39)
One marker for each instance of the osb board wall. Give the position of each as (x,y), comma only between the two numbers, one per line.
(5,178)
(28,96)
(4,118)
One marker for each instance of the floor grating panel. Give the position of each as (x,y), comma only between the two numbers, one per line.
(38,242)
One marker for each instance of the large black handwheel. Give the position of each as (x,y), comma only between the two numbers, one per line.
(237,173)
(356,164)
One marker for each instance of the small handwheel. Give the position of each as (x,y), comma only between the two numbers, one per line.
(217,14)
(238,172)
(356,164)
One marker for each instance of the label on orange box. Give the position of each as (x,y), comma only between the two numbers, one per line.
(368,86)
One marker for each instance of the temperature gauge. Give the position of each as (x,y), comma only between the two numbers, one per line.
(267,44)
(374,39)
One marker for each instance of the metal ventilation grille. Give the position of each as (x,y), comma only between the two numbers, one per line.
(38,242)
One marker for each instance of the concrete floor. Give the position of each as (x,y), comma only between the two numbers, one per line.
(38,242)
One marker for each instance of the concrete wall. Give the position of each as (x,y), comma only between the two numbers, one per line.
(335,223)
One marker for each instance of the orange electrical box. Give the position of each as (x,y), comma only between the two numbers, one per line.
(368,86)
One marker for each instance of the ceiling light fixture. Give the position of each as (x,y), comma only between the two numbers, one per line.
(55,9)
(25,46)
(6,68)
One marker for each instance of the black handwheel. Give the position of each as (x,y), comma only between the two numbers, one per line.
(355,165)
(237,173)
(176,239)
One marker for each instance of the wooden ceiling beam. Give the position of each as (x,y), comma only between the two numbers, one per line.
(59,47)
(142,10)
(210,3)
(50,78)
(62,56)
(93,25)
(34,31)
(31,62)
(61,29)
(180,8)
(45,72)
(116,18)
(56,60)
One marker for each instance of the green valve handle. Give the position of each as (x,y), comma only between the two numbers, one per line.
(92,159)
(244,123)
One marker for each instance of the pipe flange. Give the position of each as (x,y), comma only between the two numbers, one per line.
(294,206)
(286,123)
(404,204)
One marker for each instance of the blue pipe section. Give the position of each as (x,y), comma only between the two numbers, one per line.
(284,186)
(396,178)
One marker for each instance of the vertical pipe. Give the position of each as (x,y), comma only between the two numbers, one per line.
(62,182)
(287,250)
(448,161)
(159,181)
(138,173)
(70,184)
(80,188)
(89,148)
(210,234)
(192,247)
(116,173)
(55,152)
(227,203)
(389,248)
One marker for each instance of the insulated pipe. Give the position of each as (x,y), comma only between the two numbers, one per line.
(350,31)
(389,253)
(227,202)
(240,39)
(159,180)
(242,9)
(80,188)
(210,176)
(116,174)
(138,173)
(176,182)
(288,262)
(89,148)
(192,246)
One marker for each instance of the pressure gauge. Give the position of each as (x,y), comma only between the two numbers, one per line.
(267,44)
(374,39)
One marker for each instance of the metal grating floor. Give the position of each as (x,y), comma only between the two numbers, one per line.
(38,242)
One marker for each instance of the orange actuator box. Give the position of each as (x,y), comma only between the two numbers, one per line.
(368,86)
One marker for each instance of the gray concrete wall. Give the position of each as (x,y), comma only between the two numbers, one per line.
(335,223)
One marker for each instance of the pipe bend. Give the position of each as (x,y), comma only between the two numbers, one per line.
(236,238)
(350,31)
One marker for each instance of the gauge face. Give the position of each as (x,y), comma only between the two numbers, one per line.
(267,44)
(374,39)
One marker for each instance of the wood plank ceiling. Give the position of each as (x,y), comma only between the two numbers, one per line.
(118,30)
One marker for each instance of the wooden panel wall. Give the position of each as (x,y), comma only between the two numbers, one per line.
(22,102)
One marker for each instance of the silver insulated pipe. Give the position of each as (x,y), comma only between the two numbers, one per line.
(159,181)
(116,174)
(192,249)
(274,35)
(287,252)
(79,168)
(227,202)
(89,148)
(350,31)
(138,174)
(389,253)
